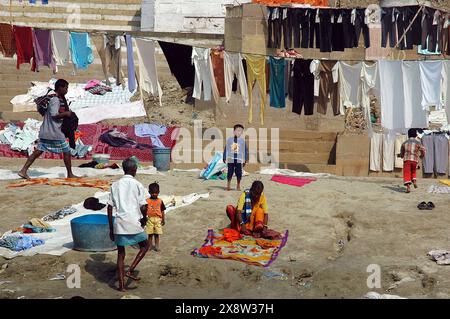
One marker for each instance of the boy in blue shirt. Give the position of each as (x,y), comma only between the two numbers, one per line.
(235,155)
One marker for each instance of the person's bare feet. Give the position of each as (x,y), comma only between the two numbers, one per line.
(408,189)
(130,275)
(228,189)
(23,175)
(238,188)
(72,176)
(121,289)
(156,248)
(415,185)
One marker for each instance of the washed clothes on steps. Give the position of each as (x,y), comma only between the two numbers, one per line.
(81,50)
(153,131)
(42,42)
(148,74)
(60,47)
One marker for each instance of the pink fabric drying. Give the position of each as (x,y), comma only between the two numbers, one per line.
(91,84)
(293,181)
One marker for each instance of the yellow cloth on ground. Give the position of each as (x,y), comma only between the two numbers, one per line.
(445,181)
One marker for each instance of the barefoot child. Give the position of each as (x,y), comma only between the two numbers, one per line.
(156,217)
(411,151)
(128,197)
(235,155)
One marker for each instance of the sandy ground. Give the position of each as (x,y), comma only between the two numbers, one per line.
(338,226)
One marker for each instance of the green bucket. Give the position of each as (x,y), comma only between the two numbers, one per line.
(161,159)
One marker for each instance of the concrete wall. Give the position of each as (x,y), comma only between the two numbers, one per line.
(120,15)
(195,16)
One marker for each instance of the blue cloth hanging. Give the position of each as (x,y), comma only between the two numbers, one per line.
(81,49)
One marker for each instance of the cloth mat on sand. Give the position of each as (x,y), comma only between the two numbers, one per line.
(60,172)
(439,189)
(245,249)
(293,181)
(288,172)
(74,182)
(59,242)
(91,136)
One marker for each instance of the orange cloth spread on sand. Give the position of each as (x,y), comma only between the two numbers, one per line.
(210,251)
(265,244)
(314,3)
(230,235)
(74,182)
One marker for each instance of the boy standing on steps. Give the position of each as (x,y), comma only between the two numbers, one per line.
(235,155)
(411,151)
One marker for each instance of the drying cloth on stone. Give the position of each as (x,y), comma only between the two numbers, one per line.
(441,257)
(81,50)
(178,57)
(73,182)
(445,181)
(289,172)
(438,189)
(154,131)
(18,242)
(91,136)
(59,242)
(293,181)
(99,113)
(60,172)
(245,249)
(42,42)
(24,46)
(7,42)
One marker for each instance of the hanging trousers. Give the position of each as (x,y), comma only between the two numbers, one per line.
(305,25)
(428,160)
(303,87)
(274,28)
(256,73)
(388,20)
(287,28)
(404,19)
(429,30)
(295,19)
(314,29)
(326,31)
(361,27)
(440,153)
(348,28)
(337,31)
(233,67)
(328,88)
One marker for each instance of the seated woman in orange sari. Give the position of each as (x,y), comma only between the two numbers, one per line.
(250,216)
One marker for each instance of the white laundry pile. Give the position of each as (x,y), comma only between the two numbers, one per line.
(25,102)
(438,117)
(441,257)
(288,172)
(60,241)
(60,172)
(21,139)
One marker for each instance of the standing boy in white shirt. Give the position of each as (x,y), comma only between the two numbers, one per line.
(128,197)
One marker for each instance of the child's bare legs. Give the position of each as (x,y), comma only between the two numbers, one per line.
(143,247)
(157,242)
(121,267)
(228,184)
(408,188)
(150,242)
(415,183)
(238,186)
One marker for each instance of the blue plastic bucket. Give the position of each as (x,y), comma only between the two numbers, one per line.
(91,233)
(161,158)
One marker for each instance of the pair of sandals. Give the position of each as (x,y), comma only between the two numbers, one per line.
(426,206)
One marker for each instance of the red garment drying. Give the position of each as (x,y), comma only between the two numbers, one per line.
(24,46)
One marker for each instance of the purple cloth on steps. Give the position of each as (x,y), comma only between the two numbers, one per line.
(42,43)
